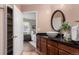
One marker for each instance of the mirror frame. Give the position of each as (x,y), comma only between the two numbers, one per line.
(53,17)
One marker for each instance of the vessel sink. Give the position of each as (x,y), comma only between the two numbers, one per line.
(52,34)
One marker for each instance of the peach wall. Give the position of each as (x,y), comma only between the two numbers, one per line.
(71,12)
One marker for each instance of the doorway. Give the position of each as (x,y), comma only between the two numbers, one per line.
(29,21)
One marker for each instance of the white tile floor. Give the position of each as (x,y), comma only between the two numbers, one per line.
(29,49)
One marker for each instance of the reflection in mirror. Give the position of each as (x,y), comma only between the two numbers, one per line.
(57,20)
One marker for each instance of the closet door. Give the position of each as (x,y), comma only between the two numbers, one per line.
(9,31)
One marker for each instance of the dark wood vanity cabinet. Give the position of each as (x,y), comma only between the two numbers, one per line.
(46,47)
(49,47)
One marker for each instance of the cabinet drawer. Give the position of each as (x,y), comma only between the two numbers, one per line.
(43,48)
(52,43)
(66,48)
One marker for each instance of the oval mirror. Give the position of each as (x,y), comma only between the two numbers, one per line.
(57,20)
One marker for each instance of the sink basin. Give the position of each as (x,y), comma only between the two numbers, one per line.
(52,34)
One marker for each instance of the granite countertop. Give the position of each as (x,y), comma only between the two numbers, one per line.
(74,44)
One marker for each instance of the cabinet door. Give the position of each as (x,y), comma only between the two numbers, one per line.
(52,47)
(51,50)
(56,51)
(38,43)
(61,52)
(66,48)
(43,46)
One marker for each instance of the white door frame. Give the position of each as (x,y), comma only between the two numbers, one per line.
(5,27)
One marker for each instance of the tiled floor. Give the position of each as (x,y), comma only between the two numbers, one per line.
(29,49)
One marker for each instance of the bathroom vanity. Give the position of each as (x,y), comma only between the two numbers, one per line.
(53,44)
(56,46)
